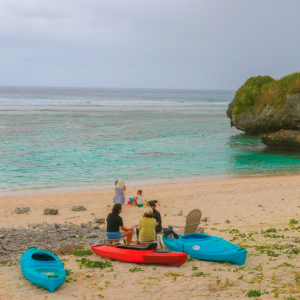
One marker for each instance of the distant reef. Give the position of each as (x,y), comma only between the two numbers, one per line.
(269,108)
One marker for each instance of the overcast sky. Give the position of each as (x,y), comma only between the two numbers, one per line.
(199,44)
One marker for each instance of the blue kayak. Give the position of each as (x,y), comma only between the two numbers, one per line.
(207,247)
(43,268)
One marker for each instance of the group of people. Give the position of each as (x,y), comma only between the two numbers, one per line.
(120,196)
(149,225)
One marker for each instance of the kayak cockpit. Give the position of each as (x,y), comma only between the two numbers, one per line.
(195,237)
(42,257)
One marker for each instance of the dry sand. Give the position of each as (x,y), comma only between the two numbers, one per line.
(251,204)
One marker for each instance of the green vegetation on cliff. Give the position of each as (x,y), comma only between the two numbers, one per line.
(261,91)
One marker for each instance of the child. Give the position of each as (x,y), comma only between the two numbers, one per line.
(138,200)
(116,182)
(120,197)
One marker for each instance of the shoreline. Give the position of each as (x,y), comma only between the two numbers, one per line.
(141,183)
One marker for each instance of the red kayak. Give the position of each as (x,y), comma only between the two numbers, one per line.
(141,254)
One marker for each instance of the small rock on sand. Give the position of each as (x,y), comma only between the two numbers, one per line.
(100,220)
(227,221)
(205,219)
(2,236)
(179,213)
(22,210)
(294,240)
(78,208)
(50,211)
(93,235)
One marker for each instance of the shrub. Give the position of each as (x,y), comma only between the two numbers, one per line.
(258,92)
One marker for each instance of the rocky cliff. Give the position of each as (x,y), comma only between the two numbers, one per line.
(270,119)
(269,108)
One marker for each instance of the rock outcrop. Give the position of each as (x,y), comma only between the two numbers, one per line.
(269,108)
(50,237)
(282,139)
(270,120)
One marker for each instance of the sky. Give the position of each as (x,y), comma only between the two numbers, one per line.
(184,44)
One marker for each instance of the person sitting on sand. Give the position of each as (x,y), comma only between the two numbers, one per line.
(138,200)
(119,196)
(146,227)
(157,217)
(114,222)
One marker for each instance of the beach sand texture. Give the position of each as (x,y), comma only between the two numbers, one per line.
(252,205)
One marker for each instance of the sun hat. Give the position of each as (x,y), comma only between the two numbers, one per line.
(120,184)
(148,211)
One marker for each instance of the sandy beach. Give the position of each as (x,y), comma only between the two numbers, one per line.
(252,206)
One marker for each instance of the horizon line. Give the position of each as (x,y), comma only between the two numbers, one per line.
(116,88)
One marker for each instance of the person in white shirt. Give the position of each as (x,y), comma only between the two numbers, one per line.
(139,199)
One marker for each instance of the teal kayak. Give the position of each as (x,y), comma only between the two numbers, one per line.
(43,268)
(207,247)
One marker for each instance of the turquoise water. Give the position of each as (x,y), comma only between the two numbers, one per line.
(53,138)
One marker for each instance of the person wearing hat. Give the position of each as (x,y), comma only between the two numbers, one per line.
(146,227)
(157,217)
(119,196)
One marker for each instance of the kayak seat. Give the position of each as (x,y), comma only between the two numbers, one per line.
(162,251)
(42,257)
(132,247)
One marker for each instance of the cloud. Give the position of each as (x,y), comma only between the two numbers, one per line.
(208,44)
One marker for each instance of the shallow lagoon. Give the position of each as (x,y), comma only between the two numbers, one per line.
(55,137)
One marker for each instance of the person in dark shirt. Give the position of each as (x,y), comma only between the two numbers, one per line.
(157,216)
(114,222)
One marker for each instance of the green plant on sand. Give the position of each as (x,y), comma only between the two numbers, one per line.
(256,293)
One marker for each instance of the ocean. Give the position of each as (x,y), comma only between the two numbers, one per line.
(53,138)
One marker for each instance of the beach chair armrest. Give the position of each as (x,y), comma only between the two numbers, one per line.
(192,224)
(179,226)
(176,226)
